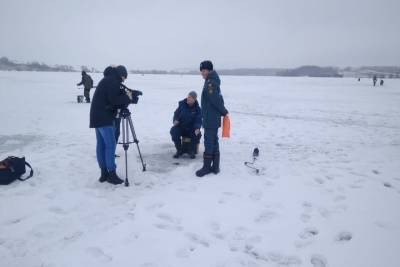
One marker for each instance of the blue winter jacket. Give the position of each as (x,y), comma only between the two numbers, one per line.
(189,117)
(212,102)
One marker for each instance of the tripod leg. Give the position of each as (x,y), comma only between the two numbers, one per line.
(129,120)
(126,168)
(125,143)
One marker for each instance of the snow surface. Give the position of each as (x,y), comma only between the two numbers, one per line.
(328,193)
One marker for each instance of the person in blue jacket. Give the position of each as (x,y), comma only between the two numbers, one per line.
(187,123)
(213,108)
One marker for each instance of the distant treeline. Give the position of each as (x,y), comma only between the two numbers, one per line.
(9,65)
(303,71)
(311,71)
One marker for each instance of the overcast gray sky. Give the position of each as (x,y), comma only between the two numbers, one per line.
(174,34)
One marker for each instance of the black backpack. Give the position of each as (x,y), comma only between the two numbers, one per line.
(12,168)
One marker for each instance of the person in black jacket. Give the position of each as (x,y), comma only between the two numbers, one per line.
(106,99)
(117,122)
(212,105)
(187,123)
(87,82)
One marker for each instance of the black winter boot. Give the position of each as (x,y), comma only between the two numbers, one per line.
(113,178)
(215,166)
(104,176)
(206,169)
(178,147)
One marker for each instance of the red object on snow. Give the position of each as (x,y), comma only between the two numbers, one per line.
(226,127)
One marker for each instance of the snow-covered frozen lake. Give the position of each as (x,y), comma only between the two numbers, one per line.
(328,193)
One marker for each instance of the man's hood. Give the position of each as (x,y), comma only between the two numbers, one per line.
(111,72)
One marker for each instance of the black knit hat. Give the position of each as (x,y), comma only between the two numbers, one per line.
(122,72)
(206,65)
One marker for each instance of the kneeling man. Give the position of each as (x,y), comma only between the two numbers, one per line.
(187,123)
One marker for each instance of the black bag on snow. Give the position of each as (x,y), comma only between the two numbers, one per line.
(12,168)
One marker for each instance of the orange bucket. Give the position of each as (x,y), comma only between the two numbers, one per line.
(226,127)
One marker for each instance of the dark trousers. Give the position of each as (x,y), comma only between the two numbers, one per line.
(178,132)
(211,144)
(86,93)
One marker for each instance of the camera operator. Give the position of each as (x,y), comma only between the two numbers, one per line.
(107,97)
(117,122)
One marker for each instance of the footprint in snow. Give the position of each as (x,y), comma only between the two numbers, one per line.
(215,226)
(57,210)
(256,196)
(155,206)
(168,218)
(306,236)
(73,237)
(339,198)
(149,264)
(169,223)
(168,227)
(266,216)
(318,261)
(307,206)
(344,237)
(308,233)
(305,218)
(185,252)
(387,184)
(198,240)
(284,260)
(329,177)
(98,253)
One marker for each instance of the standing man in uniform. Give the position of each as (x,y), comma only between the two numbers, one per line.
(87,82)
(212,105)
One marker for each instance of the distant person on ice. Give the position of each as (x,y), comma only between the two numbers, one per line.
(381,82)
(87,85)
(106,99)
(187,123)
(374,80)
(212,105)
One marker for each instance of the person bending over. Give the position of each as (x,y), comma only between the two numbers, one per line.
(87,82)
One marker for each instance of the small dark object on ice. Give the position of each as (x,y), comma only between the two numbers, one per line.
(256,153)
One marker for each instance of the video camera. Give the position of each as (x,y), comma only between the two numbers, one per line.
(135,93)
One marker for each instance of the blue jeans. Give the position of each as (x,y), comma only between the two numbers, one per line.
(211,143)
(117,125)
(105,149)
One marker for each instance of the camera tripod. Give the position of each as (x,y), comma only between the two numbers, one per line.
(127,126)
